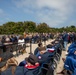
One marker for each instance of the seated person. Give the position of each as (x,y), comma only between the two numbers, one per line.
(73,45)
(31,67)
(50,48)
(58,47)
(37,49)
(8,57)
(43,56)
(31,58)
(70,66)
(3,66)
(12,62)
(72,53)
(70,62)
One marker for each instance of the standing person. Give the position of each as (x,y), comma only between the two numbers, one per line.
(7,39)
(3,39)
(24,34)
(21,43)
(65,39)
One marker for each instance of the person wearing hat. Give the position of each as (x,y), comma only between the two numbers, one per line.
(8,58)
(31,65)
(31,62)
(6,55)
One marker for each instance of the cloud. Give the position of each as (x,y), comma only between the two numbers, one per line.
(53,12)
(1,12)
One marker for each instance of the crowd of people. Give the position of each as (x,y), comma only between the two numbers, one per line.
(18,42)
(37,63)
(44,60)
(32,62)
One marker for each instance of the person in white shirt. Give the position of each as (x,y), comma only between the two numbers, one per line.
(21,43)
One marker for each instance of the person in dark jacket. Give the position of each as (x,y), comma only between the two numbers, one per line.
(6,55)
(72,53)
(37,49)
(43,56)
(70,61)
(31,67)
(70,64)
(73,45)
(65,39)
(9,58)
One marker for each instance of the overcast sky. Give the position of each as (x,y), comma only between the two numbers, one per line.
(56,13)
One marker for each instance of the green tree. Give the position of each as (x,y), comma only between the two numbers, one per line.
(43,28)
(29,26)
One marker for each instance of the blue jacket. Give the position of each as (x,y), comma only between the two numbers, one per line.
(45,58)
(71,53)
(65,37)
(70,64)
(73,45)
(36,51)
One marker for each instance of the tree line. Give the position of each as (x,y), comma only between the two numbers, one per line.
(32,27)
